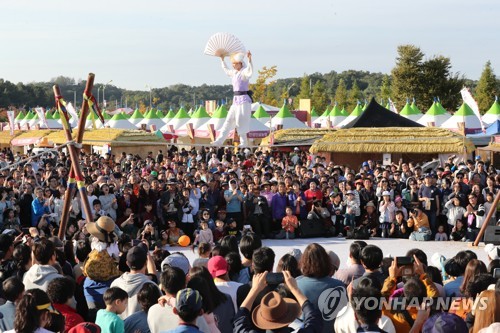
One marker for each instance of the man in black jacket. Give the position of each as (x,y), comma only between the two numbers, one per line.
(257,213)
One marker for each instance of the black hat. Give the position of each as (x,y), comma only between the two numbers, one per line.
(137,257)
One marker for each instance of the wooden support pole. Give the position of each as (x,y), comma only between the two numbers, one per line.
(488,217)
(75,174)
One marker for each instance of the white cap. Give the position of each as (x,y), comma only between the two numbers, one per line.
(492,251)
(386,193)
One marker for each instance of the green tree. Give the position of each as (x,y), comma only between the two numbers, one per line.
(439,81)
(487,88)
(355,95)
(319,98)
(385,89)
(341,94)
(407,74)
(304,92)
(261,85)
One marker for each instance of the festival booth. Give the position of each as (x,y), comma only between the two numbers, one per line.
(410,113)
(285,119)
(314,115)
(136,117)
(322,121)
(218,118)
(290,138)
(463,121)
(337,116)
(26,141)
(114,141)
(119,121)
(6,138)
(151,118)
(483,139)
(493,113)
(355,145)
(435,116)
(491,152)
(261,115)
(169,116)
(355,114)
(51,122)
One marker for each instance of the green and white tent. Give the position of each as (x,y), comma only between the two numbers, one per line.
(26,119)
(434,115)
(151,118)
(51,122)
(178,122)
(92,119)
(199,121)
(286,119)
(170,114)
(358,111)
(261,114)
(136,117)
(410,113)
(314,115)
(34,121)
(493,113)
(120,122)
(20,116)
(463,115)
(336,116)
(219,117)
(322,121)
(344,112)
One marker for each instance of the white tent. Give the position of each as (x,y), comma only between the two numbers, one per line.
(286,119)
(266,107)
(119,121)
(463,115)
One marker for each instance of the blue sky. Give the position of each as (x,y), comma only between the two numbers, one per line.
(161,42)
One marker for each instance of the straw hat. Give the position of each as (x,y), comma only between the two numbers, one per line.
(103,229)
(275,311)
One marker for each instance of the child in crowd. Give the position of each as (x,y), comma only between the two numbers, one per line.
(350,211)
(204,235)
(188,307)
(455,212)
(116,300)
(487,206)
(204,250)
(219,231)
(441,234)
(458,232)
(232,229)
(288,225)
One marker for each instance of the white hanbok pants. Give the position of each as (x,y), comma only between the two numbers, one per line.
(238,117)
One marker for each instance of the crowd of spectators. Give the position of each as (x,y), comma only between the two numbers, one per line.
(118,272)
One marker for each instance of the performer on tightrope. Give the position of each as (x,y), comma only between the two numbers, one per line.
(240,112)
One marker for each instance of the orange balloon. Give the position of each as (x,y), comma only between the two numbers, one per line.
(184,240)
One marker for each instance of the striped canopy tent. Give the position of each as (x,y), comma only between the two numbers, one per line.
(126,115)
(136,117)
(493,113)
(267,108)
(285,119)
(314,115)
(34,121)
(410,113)
(197,126)
(20,116)
(438,103)
(170,114)
(358,111)
(434,115)
(190,112)
(463,115)
(92,119)
(151,118)
(219,117)
(322,121)
(51,122)
(336,116)
(261,114)
(160,114)
(344,112)
(26,119)
(177,122)
(120,122)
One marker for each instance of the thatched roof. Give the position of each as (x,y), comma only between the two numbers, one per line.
(34,134)
(297,136)
(110,136)
(393,140)
(5,136)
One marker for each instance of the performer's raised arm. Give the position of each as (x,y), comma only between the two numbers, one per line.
(229,72)
(248,70)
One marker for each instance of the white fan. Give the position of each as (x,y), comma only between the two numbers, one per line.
(223,44)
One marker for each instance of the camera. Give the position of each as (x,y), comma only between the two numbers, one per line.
(407,264)
(260,202)
(275,278)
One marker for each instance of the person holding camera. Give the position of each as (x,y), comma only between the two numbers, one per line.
(418,286)
(234,198)
(188,225)
(257,212)
(420,224)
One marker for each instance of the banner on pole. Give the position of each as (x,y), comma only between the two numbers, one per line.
(41,114)
(10,115)
(471,102)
